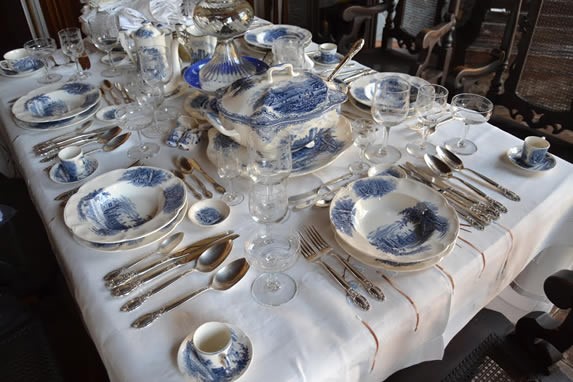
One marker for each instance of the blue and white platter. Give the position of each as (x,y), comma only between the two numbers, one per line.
(59,175)
(61,124)
(327,145)
(362,89)
(136,243)
(12,74)
(514,157)
(394,220)
(264,36)
(56,102)
(196,370)
(125,204)
(191,74)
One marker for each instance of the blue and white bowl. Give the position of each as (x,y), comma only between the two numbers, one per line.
(125,204)
(209,212)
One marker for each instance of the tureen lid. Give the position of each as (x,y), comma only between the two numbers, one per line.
(278,96)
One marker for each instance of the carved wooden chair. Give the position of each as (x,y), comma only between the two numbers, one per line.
(417,36)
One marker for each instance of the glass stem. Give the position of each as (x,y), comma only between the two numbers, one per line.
(79,69)
(384,144)
(142,145)
(111,62)
(231,190)
(462,141)
(425,133)
(272,283)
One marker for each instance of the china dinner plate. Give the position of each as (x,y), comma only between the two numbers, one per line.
(49,126)
(362,89)
(125,204)
(56,102)
(323,150)
(263,37)
(396,220)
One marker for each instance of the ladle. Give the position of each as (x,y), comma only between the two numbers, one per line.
(442,169)
(222,280)
(206,262)
(457,164)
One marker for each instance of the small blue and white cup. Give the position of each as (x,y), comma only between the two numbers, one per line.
(72,162)
(327,53)
(534,150)
(214,341)
(19,61)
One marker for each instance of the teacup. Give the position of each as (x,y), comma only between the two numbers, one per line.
(213,343)
(327,53)
(534,150)
(19,61)
(72,162)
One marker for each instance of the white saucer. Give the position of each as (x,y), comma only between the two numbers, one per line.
(196,371)
(11,74)
(514,156)
(315,57)
(59,176)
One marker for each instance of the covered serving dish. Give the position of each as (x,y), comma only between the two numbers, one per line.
(279,99)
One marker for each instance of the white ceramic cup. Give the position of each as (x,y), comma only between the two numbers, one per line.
(534,150)
(18,60)
(327,53)
(72,162)
(213,342)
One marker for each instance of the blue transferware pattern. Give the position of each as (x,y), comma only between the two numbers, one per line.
(156,63)
(208,216)
(264,37)
(393,219)
(61,124)
(514,156)
(329,61)
(59,175)
(125,205)
(239,358)
(191,74)
(23,68)
(12,74)
(56,102)
(107,114)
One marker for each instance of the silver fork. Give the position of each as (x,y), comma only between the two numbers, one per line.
(311,254)
(323,248)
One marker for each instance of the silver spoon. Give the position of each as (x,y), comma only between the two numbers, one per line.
(222,280)
(442,169)
(206,262)
(167,245)
(189,165)
(457,164)
(181,163)
(181,176)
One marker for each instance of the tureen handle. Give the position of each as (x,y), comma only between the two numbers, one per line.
(280,68)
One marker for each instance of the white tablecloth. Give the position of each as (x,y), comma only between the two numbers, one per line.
(318,336)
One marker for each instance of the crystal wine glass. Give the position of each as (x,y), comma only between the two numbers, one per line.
(472,109)
(431,103)
(269,162)
(390,106)
(228,167)
(104,31)
(43,48)
(133,117)
(73,47)
(363,131)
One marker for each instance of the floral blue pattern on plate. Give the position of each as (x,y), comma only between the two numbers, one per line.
(125,204)
(59,175)
(62,124)
(108,113)
(397,220)
(239,358)
(56,102)
(10,73)
(318,60)
(264,36)
(514,156)
(209,212)
(327,145)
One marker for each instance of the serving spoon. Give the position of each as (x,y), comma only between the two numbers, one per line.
(456,163)
(210,259)
(223,279)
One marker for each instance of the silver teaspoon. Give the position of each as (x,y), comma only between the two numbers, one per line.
(222,280)
(457,164)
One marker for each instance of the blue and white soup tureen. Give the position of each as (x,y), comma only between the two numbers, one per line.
(275,101)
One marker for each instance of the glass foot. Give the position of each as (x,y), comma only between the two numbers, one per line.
(144,151)
(111,72)
(273,289)
(358,167)
(461,146)
(379,154)
(418,150)
(233,198)
(50,78)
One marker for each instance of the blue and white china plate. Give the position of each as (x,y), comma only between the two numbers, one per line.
(125,204)
(58,175)
(195,370)
(9,73)
(514,156)
(264,37)
(62,124)
(362,89)
(191,74)
(108,114)
(397,220)
(209,212)
(327,145)
(56,102)
(136,243)
(317,59)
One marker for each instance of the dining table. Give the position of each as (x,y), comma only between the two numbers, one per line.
(319,335)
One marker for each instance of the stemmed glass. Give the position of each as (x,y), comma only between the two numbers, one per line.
(73,47)
(228,167)
(269,162)
(472,109)
(155,70)
(104,32)
(362,131)
(430,106)
(390,106)
(43,48)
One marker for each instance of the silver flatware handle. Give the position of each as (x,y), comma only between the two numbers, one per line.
(505,192)
(313,192)
(206,193)
(192,189)
(357,299)
(71,134)
(356,47)
(490,200)
(220,189)
(373,290)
